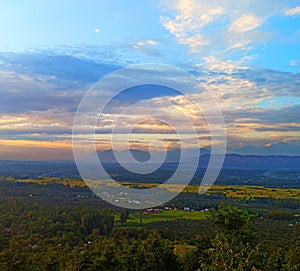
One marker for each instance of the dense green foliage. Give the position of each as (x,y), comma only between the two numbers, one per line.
(56,227)
(36,237)
(230,218)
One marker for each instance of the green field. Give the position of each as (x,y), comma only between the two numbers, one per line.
(164,215)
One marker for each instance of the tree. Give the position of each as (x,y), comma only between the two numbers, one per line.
(230,218)
(124,215)
(231,249)
(229,253)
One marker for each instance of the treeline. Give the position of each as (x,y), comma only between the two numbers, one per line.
(37,237)
(202,201)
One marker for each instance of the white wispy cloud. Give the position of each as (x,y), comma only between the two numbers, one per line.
(294,62)
(152,42)
(224,29)
(292,11)
(192,16)
(145,43)
(215,64)
(245,23)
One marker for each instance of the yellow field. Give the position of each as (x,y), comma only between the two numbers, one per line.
(230,191)
(47,180)
(249,192)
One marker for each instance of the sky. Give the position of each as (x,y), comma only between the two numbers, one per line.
(246,54)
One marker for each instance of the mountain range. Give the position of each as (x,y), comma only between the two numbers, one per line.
(231,161)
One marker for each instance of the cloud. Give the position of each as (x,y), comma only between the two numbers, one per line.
(294,63)
(189,22)
(65,70)
(152,42)
(292,11)
(146,43)
(250,120)
(214,64)
(281,128)
(256,105)
(245,23)
(138,45)
(223,29)
(22,94)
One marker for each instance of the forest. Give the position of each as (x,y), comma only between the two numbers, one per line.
(50,227)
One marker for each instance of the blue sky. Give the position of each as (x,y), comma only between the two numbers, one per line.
(33,24)
(247,54)
(271,41)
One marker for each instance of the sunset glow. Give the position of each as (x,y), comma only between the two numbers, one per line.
(245,55)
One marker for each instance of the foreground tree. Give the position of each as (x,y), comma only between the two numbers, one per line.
(231,249)
(230,218)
